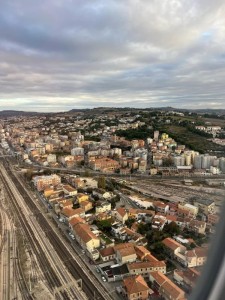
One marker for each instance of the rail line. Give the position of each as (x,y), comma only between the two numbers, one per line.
(89,287)
(49,274)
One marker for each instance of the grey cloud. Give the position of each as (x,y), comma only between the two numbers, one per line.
(61,54)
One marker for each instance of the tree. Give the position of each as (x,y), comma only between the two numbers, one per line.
(129,222)
(110,186)
(101,182)
(159,247)
(104,225)
(47,172)
(143,228)
(172,228)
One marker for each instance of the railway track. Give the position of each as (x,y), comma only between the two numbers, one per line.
(89,287)
(49,274)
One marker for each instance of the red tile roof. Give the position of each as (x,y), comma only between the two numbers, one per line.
(107,251)
(172,244)
(135,285)
(121,211)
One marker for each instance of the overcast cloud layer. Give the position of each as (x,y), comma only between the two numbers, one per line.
(61,54)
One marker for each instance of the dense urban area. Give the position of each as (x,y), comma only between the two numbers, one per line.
(108,203)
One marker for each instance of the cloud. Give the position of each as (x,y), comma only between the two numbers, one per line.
(63,54)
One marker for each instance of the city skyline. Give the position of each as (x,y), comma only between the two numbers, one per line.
(62,55)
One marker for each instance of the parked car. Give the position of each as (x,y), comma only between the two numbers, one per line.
(97,269)
(103,278)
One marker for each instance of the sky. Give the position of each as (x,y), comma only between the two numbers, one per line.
(56,55)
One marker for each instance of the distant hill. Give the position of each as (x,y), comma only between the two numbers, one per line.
(210,111)
(17,113)
(102,110)
(10,113)
(168,108)
(198,111)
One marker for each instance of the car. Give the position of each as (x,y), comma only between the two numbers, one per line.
(83,251)
(103,278)
(72,237)
(97,269)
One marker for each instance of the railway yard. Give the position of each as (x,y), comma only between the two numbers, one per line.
(55,270)
(174,190)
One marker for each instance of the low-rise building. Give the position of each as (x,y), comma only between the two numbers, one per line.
(165,287)
(145,267)
(205,205)
(192,209)
(161,207)
(75,221)
(158,222)
(103,207)
(80,197)
(121,214)
(188,276)
(85,237)
(69,190)
(213,219)
(141,252)
(68,214)
(135,288)
(196,257)
(173,247)
(125,253)
(197,226)
(86,205)
(107,254)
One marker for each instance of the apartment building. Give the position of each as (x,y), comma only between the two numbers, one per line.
(104,164)
(41,182)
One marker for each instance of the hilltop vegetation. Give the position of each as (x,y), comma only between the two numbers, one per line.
(193,140)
